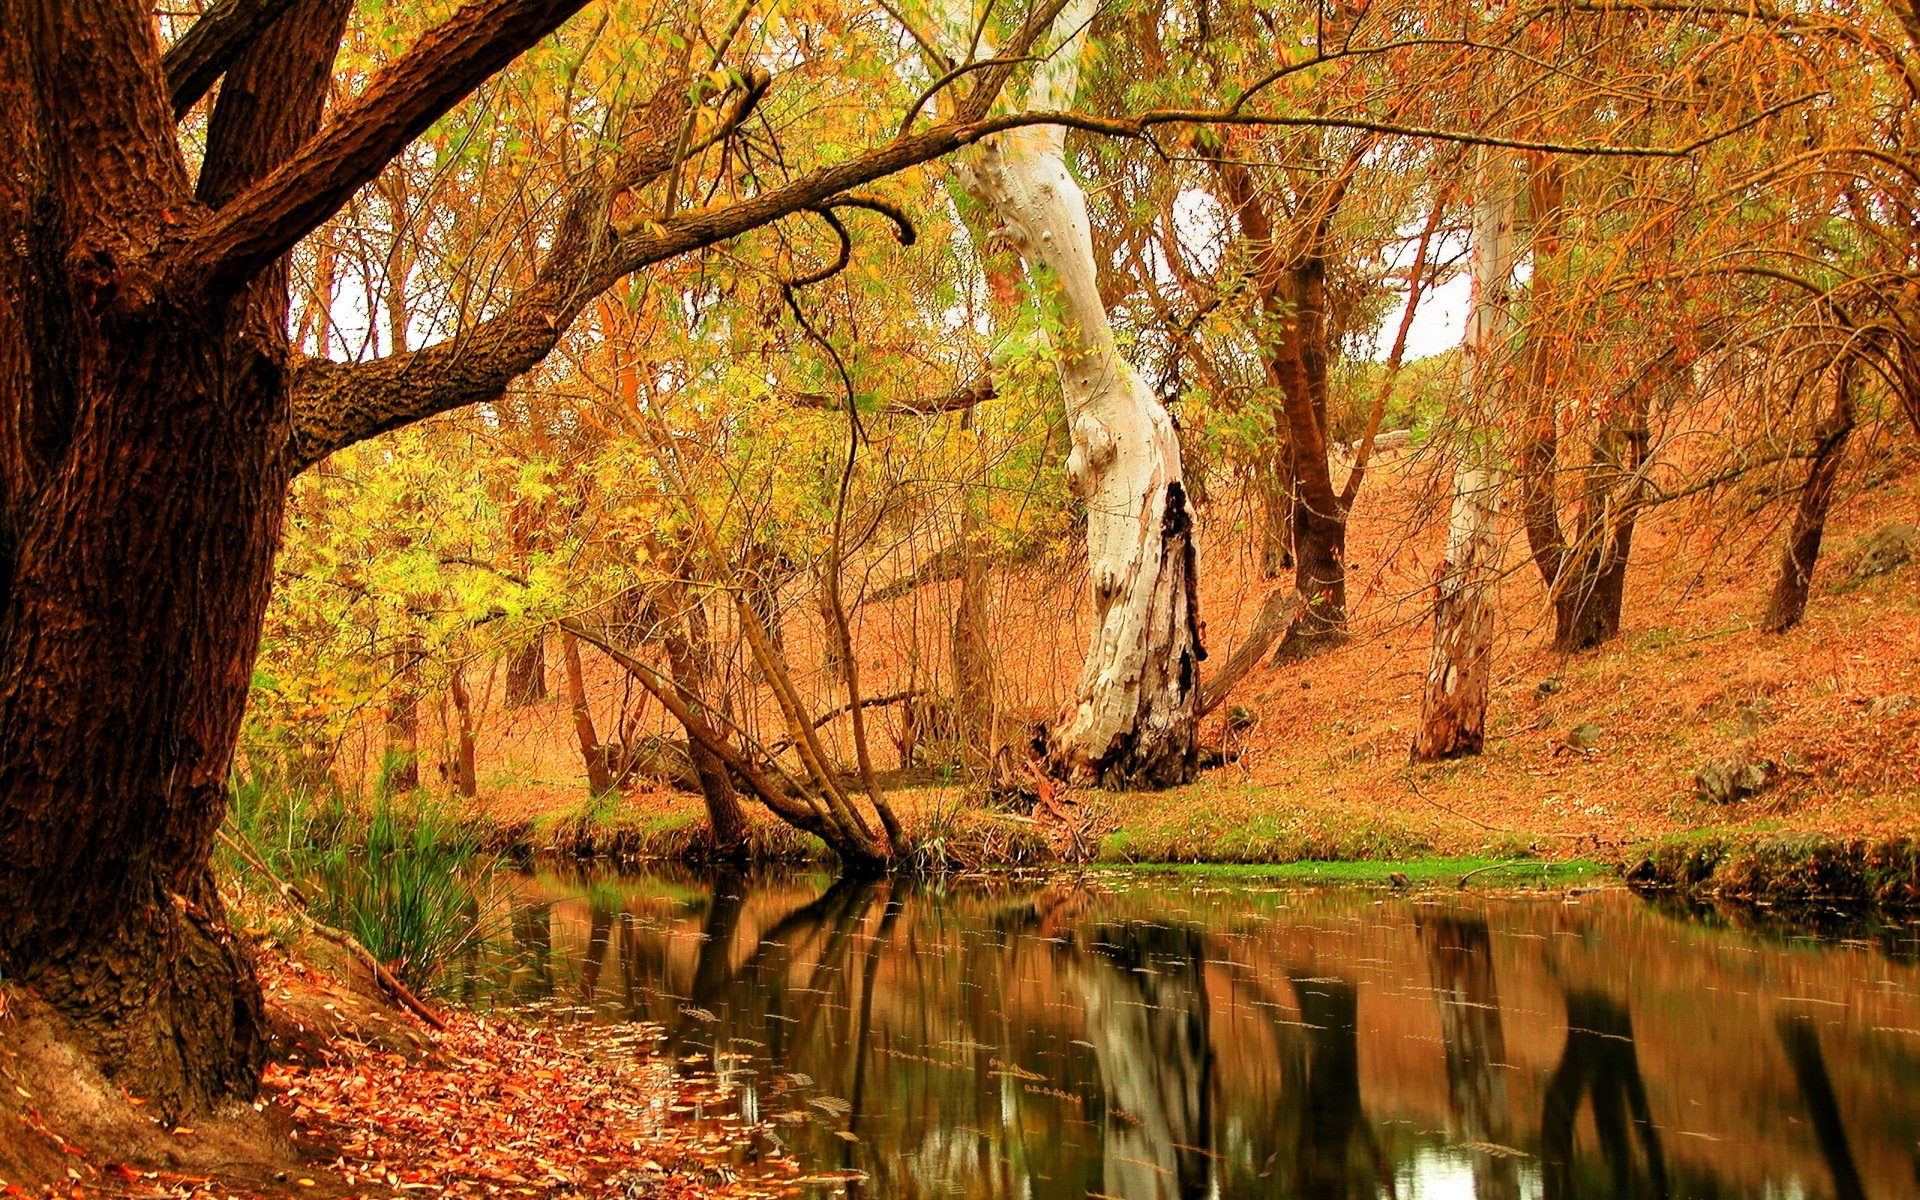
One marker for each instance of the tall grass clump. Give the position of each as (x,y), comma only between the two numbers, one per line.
(402,876)
(411,888)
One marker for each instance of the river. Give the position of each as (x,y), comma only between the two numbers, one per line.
(1147,1037)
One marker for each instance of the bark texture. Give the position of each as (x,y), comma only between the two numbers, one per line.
(1453,709)
(1132,722)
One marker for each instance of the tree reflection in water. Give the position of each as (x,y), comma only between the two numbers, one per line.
(991,1041)
(1460,962)
(1802,1042)
(1600,1062)
(1145,996)
(1339,1156)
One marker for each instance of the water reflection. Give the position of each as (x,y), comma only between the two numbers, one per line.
(1162,1041)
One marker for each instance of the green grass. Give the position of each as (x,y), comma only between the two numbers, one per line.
(1485,872)
(402,876)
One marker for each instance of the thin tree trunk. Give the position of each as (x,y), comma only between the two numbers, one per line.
(1453,710)
(1585,574)
(1289,285)
(1591,588)
(599,779)
(1788,603)
(682,627)
(465,778)
(972,652)
(1131,723)
(527,672)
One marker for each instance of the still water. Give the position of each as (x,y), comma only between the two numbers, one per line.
(1147,1037)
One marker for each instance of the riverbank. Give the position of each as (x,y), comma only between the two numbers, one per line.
(1750,865)
(1691,724)
(363,1099)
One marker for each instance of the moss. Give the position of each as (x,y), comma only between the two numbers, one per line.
(598,830)
(1783,868)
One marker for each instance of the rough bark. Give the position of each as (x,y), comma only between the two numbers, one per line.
(1131,723)
(1453,709)
(141,492)
(205,51)
(1788,601)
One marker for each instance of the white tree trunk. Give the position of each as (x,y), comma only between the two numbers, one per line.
(1453,712)
(1133,717)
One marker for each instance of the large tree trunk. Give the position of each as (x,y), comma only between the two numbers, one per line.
(1131,723)
(1788,603)
(1453,710)
(151,421)
(143,476)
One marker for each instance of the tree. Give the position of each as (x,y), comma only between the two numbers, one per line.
(1453,707)
(153,414)
(1131,722)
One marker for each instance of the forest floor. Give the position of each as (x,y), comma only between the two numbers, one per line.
(1595,755)
(1588,755)
(363,1099)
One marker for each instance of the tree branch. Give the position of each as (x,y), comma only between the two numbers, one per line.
(203,53)
(959,399)
(1276,614)
(339,404)
(447,63)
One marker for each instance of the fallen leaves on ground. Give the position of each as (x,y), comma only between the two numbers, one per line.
(510,1110)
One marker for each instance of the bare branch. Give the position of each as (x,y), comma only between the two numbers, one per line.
(959,399)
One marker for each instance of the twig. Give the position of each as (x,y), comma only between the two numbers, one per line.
(1489,867)
(340,938)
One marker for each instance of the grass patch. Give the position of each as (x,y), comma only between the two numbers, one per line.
(604,828)
(1491,872)
(1783,868)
